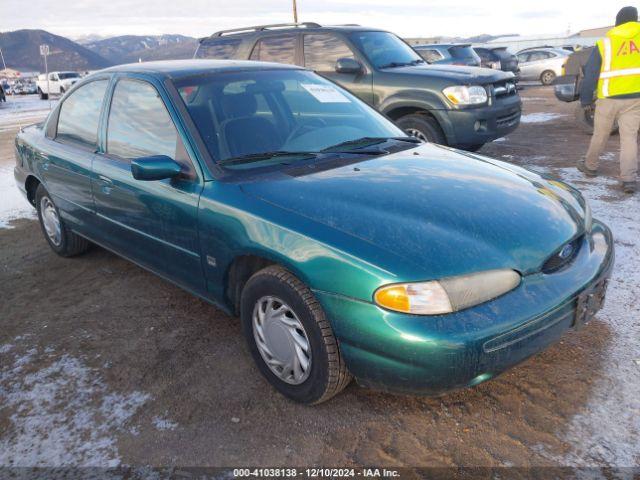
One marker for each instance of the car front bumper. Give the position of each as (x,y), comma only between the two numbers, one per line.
(478,125)
(430,355)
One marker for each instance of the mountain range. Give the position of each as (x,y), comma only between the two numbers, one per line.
(133,48)
(21,50)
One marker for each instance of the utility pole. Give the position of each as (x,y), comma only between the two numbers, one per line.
(295,12)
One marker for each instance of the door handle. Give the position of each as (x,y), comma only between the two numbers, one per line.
(107,184)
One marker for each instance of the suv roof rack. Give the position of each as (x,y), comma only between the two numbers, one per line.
(260,28)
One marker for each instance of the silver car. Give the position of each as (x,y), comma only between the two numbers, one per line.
(543,64)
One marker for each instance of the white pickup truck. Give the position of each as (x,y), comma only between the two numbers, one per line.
(59,82)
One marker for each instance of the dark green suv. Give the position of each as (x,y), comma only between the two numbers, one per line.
(464,107)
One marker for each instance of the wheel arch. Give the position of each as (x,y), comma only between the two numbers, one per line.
(243,266)
(396,110)
(31,185)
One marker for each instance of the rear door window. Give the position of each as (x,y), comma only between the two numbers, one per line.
(219,48)
(280,49)
(80,114)
(322,51)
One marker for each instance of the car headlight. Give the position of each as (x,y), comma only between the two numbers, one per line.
(446,295)
(588,217)
(463,95)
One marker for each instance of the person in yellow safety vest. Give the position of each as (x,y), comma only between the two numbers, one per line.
(613,71)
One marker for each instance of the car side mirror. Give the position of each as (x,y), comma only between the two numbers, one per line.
(348,65)
(156,167)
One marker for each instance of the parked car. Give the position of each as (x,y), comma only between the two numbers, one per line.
(498,58)
(58,83)
(458,106)
(544,64)
(449,54)
(24,87)
(346,247)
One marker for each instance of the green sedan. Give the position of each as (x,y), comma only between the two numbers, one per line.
(347,248)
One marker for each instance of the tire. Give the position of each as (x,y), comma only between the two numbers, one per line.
(43,96)
(584,119)
(424,127)
(327,373)
(61,91)
(68,243)
(548,77)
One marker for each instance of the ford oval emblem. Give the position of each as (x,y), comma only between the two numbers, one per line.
(566,251)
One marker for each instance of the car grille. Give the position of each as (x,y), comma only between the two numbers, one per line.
(563,256)
(508,120)
(504,89)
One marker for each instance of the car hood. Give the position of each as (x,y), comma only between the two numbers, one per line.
(455,73)
(446,212)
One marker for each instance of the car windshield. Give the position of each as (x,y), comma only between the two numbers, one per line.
(64,75)
(385,50)
(277,116)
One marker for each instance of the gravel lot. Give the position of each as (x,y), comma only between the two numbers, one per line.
(102,363)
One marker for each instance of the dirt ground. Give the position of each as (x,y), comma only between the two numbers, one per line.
(102,363)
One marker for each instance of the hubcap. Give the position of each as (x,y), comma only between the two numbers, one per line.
(417,134)
(50,220)
(281,340)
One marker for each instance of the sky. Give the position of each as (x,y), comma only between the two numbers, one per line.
(408,18)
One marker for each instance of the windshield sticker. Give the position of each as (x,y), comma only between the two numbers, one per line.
(325,93)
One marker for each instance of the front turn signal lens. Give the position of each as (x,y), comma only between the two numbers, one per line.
(448,294)
(428,298)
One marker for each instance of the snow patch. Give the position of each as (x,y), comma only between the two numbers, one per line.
(13,204)
(163,423)
(607,430)
(62,413)
(541,117)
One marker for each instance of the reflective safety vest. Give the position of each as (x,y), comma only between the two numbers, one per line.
(620,53)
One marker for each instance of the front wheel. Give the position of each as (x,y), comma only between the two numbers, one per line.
(423,127)
(547,77)
(59,237)
(290,338)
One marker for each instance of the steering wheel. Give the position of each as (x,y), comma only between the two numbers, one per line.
(304,128)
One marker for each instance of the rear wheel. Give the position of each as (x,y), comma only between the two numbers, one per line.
(422,127)
(547,77)
(59,237)
(289,337)
(43,96)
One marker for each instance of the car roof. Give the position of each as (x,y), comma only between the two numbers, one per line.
(182,68)
(443,45)
(545,49)
(275,29)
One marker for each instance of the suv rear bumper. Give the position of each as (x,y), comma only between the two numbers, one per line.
(476,126)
